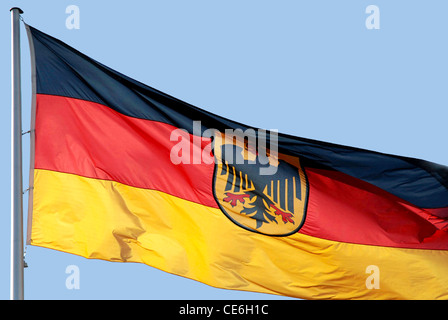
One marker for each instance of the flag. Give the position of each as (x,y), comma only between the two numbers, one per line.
(124,172)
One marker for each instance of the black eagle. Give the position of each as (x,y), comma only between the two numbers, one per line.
(265,193)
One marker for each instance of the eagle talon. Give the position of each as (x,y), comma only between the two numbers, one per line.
(233,198)
(286,216)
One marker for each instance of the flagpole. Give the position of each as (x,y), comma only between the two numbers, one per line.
(17,286)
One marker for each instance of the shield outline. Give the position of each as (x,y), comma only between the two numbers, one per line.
(304,181)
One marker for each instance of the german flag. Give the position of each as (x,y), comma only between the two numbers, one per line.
(124,172)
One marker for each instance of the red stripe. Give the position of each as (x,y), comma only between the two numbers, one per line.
(91,140)
(346,209)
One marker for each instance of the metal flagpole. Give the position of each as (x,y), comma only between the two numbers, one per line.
(17,265)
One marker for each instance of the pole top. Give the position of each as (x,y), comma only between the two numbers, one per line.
(20,10)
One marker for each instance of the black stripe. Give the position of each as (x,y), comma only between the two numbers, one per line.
(64,71)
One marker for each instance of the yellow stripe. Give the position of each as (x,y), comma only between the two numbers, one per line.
(108,220)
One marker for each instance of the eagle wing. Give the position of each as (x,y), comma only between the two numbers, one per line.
(278,189)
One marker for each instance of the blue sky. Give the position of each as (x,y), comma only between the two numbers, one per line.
(307,68)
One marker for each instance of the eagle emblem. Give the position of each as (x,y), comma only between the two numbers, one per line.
(272,204)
